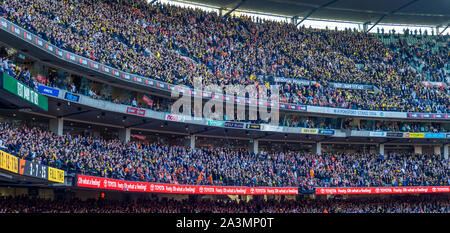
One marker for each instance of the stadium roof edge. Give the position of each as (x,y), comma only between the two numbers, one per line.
(387,12)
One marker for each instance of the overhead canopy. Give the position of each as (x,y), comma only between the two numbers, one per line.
(414,12)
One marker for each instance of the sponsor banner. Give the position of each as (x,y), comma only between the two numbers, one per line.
(353,112)
(4,24)
(309,131)
(382,190)
(32,169)
(48,90)
(357,112)
(302,108)
(357,133)
(351,86)
(253,126)
(395,135)
(326,131)
(172,117)
(72,97)
(377,134)
(291,80)
(428,115)
(133,186)
(9,162)
(266,127)
(413,135)
(140,137)
(214,123)
(435,84)
(448,135)
(234,125)
(12,85)
(136,111)
(55,175)
(435,135)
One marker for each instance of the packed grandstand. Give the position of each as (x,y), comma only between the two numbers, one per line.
(111,131)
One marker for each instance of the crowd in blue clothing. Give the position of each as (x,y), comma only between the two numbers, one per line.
(177,44)
(155,162)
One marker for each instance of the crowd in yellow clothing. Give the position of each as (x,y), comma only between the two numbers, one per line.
(176,45)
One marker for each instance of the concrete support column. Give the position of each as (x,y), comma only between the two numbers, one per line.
(418,150)
(294,20)
(365,28)
(220,12)
(437,150)
(356,123)
(437,30)
(192,141)
(254,146)
(381,149)
(57,126)
(124,135)
(317,148)
(446,148)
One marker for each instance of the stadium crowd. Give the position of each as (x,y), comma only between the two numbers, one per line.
(429,54)
(23,74)
(26,204)
(176,44)
(221,166)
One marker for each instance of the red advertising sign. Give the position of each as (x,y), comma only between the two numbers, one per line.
(382,190)
(133,186)
(140,137)
(136,111)
(171,117)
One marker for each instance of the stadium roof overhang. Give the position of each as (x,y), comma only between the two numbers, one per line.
(413,12)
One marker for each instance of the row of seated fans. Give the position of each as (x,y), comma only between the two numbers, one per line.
(23,204)
(176,44)
(155,162)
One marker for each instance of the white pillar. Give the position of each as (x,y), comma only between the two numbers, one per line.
(253,146)
(124,135)
(192,140)
(294,20)
(317,148)
(365,27)
(446,148)
(437,150)
(381,149)
(418,150)
(57,126)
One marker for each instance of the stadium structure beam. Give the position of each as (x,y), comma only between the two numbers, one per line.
(391,12)
(76,113)
(236,7)
(206,129)
(440,33)
(264,136)
(144,121)
(316,9)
